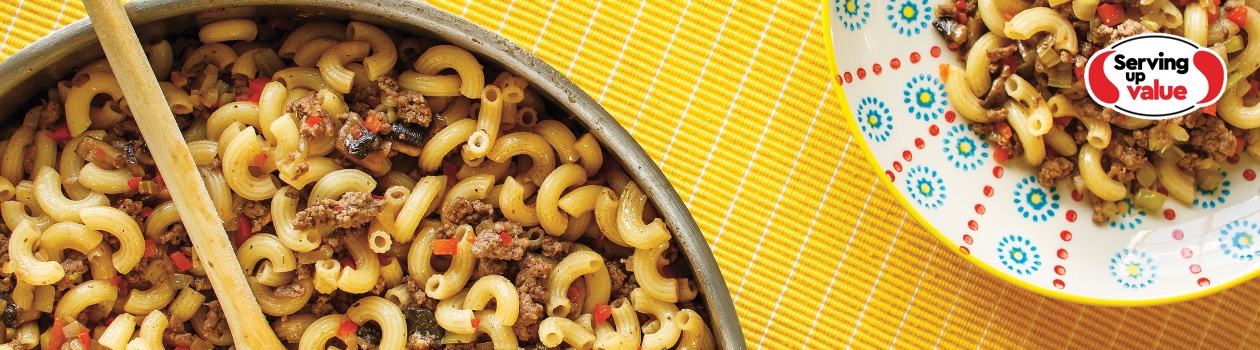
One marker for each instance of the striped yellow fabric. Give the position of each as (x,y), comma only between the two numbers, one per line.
(734,102)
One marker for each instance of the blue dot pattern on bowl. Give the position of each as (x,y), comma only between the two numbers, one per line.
(1238,240)
(853,13)
(1133,269)
(926,187)
(1019,255)
(1035,202)
(910,17)
(925,95)
(874,118)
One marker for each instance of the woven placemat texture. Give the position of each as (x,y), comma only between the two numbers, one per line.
(734,102)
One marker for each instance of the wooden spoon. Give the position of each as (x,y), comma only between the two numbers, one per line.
(205,229)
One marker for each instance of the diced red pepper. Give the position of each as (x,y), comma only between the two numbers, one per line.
(574,294)
(259,160)
(1111,14)
(59,133)
(1001,155)
(85,338)
(445,246)
(476,322)
(158,179)
(134,183)
(348,262)
(449,170)
(1211,109)
(347,327)
(1004,129)
(1238,15)
(244,229)
(373,124)
(960,5)
(1213,14)
(181,261)
(944,70)
(1062,121)
(57,335)
(145,212)
(150,248)
(1080,73)
(1010,61)
(1182,2)
(313,120)
(507,238)
(1008,16)
(1242,144)
(118,281)
(1255,87)
(961,16)
(602,312)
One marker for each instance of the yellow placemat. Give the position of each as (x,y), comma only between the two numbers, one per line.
(734,102)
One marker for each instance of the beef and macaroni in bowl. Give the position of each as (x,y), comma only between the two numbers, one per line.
(1021,82)
(382,191)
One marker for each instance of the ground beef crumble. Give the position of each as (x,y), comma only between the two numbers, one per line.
(300,285)
(413,108)
(1213,139)
(555,248)
(176,235)
(52,112)
(532,278)
(351,210)
(132,208)
(1125,160)
(490,243)
(214,317)
(531,312)
(466,211)
(622,284)
(311,106)
(486,267)
(1106,35)
(259,214)
(416,289)
(1054,171)
(1008,143)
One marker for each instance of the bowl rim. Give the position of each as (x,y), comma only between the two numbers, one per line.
(413,17)
(942,238)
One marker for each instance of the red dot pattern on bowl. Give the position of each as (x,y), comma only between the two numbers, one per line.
(878,69)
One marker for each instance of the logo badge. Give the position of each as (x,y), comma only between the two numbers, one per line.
(1155,76)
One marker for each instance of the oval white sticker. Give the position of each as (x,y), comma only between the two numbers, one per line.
(1155,76)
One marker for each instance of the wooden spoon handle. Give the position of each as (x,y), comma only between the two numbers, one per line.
(205,229)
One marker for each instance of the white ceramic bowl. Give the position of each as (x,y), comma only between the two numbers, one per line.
(996,215)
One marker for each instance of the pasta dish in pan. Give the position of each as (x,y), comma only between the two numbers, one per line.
(382,190)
